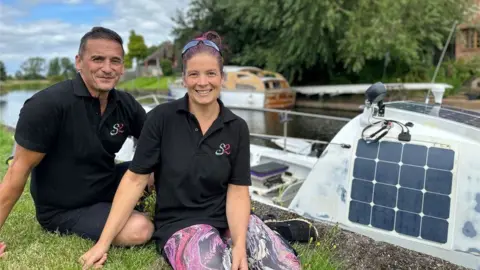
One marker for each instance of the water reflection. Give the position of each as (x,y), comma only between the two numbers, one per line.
(11,105)
(258,122)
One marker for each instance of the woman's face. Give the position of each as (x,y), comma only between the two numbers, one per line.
(203,79)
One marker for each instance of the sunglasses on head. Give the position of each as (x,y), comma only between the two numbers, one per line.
(194,43)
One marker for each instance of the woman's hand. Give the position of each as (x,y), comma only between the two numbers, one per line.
(239,258)
(3,246)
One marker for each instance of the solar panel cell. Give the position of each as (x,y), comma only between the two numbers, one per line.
(410,200)
(412,176)
(383,218)
(408,223)
(362,191)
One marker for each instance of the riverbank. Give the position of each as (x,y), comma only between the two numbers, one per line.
(147,85)
(142,85)
(12,85)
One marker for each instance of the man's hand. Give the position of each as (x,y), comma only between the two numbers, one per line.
(95,257)
(2,249)
(239,258)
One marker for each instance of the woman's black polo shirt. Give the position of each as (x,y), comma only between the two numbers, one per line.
(192,172)
(64,121)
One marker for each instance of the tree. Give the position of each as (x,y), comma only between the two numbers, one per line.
(18,75)
(3,72)
(54,68)
(68,69)
(316,40)
(33,67)
(127,62)
(136,47)
(166,66)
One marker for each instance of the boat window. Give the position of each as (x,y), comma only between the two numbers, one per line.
(245,86)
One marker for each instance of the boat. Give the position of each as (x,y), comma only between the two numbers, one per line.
(404,173)
(247,86)
(340,89)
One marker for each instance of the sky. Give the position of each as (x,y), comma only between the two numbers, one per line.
(51,28)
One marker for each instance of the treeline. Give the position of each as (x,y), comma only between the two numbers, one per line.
(329,41)
(34,68)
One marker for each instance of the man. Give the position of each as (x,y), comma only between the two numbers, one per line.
(67,136)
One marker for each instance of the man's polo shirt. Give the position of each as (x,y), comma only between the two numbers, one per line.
(192,171)
(64,121)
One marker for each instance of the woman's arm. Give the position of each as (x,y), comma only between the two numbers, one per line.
(128,193)
(238,213)
(238,197)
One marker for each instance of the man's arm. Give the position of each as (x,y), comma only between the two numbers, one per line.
(35,133)
(14,180)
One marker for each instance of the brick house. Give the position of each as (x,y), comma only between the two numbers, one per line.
(467,43)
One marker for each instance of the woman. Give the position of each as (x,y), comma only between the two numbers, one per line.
(199,153)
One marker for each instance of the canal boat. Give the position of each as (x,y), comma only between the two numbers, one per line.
(246,86)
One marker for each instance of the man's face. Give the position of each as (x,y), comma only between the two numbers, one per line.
(101,64)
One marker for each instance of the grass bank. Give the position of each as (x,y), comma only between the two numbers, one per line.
(10,85)
(147,84)
(30,247)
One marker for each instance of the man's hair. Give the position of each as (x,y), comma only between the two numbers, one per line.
(99,32)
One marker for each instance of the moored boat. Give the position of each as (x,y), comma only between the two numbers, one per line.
(249,87)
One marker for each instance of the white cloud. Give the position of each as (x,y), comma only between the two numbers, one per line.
(8,12)
(51,38)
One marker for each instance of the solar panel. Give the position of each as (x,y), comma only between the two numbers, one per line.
(404,188)
(467,117)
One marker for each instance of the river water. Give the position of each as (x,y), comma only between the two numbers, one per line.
(258,122)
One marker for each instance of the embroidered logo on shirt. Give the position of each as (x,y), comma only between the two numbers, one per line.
(223,149)
(117,128)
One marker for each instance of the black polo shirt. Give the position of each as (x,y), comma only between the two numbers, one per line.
(64,121)
(192,171)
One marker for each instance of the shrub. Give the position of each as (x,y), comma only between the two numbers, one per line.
(166,65)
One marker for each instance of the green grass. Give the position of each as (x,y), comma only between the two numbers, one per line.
(10,85)
(30,247)
(146,83)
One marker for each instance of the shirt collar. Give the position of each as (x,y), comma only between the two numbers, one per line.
(225,113)
(80,89)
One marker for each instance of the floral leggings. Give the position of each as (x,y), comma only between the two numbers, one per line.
(202,247)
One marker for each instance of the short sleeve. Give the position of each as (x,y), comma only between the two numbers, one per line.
(147,153)
(241,162)
(138,120)
(38,122)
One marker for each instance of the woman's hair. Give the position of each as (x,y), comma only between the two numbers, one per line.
(202,48)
